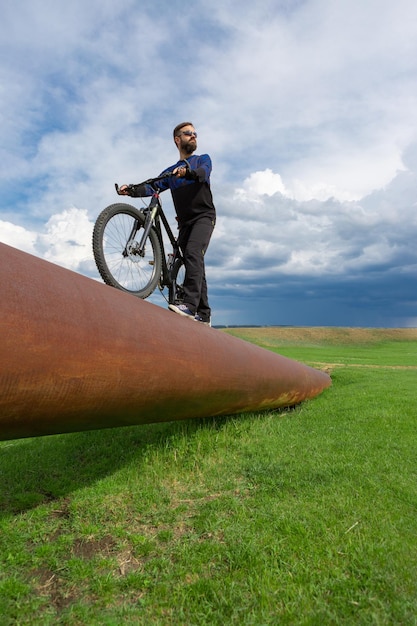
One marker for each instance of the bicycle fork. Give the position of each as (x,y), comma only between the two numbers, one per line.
(150,216)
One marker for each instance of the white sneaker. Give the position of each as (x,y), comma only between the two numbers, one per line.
(182,309)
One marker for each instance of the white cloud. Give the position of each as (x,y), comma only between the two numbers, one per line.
(262,183)
(65,240)
(17,237)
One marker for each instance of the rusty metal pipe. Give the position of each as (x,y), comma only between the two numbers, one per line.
(78,355)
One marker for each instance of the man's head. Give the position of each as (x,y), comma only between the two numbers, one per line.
(185,138)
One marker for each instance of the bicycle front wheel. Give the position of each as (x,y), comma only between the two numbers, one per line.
(116,237)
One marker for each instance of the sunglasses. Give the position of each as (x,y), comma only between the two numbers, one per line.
(189,133)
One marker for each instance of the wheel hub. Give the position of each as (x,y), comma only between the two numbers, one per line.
(133,252)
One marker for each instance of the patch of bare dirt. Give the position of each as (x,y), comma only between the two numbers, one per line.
(49,585)
(88,548)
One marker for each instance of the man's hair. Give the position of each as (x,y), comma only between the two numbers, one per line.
(179,126)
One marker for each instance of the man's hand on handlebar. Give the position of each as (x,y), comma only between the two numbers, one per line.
(123,190)
(135,191)
(180,171)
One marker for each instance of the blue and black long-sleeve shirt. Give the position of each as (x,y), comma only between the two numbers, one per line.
(191,195)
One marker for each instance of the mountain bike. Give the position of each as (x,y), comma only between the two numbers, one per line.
(129,251)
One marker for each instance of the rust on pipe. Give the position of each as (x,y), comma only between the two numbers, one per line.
(78,355)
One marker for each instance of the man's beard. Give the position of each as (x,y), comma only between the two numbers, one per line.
(189,146)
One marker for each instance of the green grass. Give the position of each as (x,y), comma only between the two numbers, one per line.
(305,516)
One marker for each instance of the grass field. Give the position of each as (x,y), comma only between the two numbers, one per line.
(304,516)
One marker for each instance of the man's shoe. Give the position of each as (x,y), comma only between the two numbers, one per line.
(182,309)
(198,318)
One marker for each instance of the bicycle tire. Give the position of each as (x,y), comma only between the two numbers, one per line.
(120,268)
(176,290)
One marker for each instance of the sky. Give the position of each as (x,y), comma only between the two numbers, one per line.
(308,109)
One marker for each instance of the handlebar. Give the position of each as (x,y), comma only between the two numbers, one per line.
(152,181)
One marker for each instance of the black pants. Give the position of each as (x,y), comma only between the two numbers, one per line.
(194,240)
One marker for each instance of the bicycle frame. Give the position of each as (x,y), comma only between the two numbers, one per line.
(154,216)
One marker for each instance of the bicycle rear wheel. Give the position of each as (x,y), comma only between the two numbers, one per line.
(116,252)
(176,290)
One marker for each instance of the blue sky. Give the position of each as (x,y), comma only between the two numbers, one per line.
(308,109)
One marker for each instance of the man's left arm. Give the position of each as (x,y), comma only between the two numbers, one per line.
(202,172)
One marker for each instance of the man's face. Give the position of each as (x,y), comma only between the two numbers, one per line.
(187,139)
